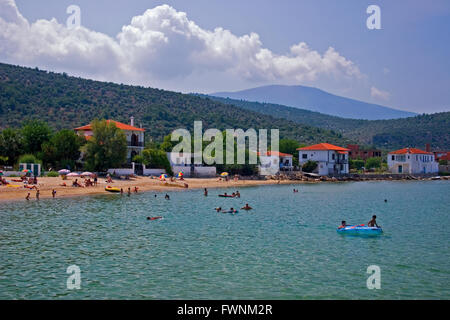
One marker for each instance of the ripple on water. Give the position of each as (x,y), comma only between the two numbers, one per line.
(286,248)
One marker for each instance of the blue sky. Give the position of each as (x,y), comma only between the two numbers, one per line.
(404,65)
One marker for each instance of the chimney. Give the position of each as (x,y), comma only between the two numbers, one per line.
(132,121)
(427,147)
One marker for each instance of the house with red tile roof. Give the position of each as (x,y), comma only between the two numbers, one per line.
(134,136)
(412,161)
(331,159)
(273,162)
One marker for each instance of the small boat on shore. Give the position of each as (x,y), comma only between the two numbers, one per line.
(111,189)
(360,230)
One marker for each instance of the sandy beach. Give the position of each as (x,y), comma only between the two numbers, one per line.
(47,184)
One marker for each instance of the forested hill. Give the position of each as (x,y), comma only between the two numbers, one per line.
(388,134)
(68,102)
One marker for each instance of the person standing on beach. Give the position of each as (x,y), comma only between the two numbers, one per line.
(53,193)
(37,194)
(28,196)
(129,191)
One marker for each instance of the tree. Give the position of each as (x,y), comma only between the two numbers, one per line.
(63,149)
(373,163)
(10,145)
(154,158)
(309,166)
(356,164)
(289,146)
(443,162)
(107,148)
(35,133)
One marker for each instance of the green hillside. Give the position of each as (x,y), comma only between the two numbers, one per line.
(68,102)
(388,134)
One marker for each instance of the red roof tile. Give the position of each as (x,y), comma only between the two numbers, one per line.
(323,146)
(410,151)
(277,153)
(118,124)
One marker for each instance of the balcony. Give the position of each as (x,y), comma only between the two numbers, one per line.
(135,144)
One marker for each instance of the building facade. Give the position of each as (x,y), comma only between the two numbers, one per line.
(355,152)
(330,159)
(412,161)
(134,136)
(273,162)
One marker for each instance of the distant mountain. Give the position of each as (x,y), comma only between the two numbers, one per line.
(69,102)
(386,134)
(316,100)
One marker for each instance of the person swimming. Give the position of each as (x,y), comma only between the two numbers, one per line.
(218,209)
(167,197)
(343,224)
(373,222)
(238,194)
(154,218)
(246,207)
(206,192)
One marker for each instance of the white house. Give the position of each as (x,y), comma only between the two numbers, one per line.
(134,135)
(274,161)
(184,162)
(412,160)
(331,159)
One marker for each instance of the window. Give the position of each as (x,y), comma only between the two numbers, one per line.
(304,156)
(332,156)
(393,158)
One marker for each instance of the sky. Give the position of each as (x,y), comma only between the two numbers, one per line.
(216,45)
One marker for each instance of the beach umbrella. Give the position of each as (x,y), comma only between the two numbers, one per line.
(224,174)
(64,171)
(163,176)
(73,174)
(180,174)
(87,173)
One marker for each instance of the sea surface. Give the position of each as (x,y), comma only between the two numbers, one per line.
(287,247)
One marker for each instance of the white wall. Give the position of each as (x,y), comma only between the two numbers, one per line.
(121,171)
(412,163)
(205,171)
(153,172)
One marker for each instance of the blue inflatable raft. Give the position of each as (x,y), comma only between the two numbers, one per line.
(360,230)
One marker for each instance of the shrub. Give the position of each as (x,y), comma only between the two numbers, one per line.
(309,166)
(29,158)
(52,174)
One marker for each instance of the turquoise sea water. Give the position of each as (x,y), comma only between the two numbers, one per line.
(286,248)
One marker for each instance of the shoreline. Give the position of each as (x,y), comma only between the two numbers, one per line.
(146,184)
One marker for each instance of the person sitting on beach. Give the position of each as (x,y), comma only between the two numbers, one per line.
(247,207)
(373,222)
(76,184)
(343,224)
(35,180)
(167,197)
(63,184)
(109,180)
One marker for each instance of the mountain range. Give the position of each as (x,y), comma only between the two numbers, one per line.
(314,99)
(69,102)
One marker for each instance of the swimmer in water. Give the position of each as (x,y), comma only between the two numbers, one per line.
(373,222)
(246,207)
(167,197)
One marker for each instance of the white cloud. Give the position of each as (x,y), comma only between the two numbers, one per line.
(379,94)
(158,45)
